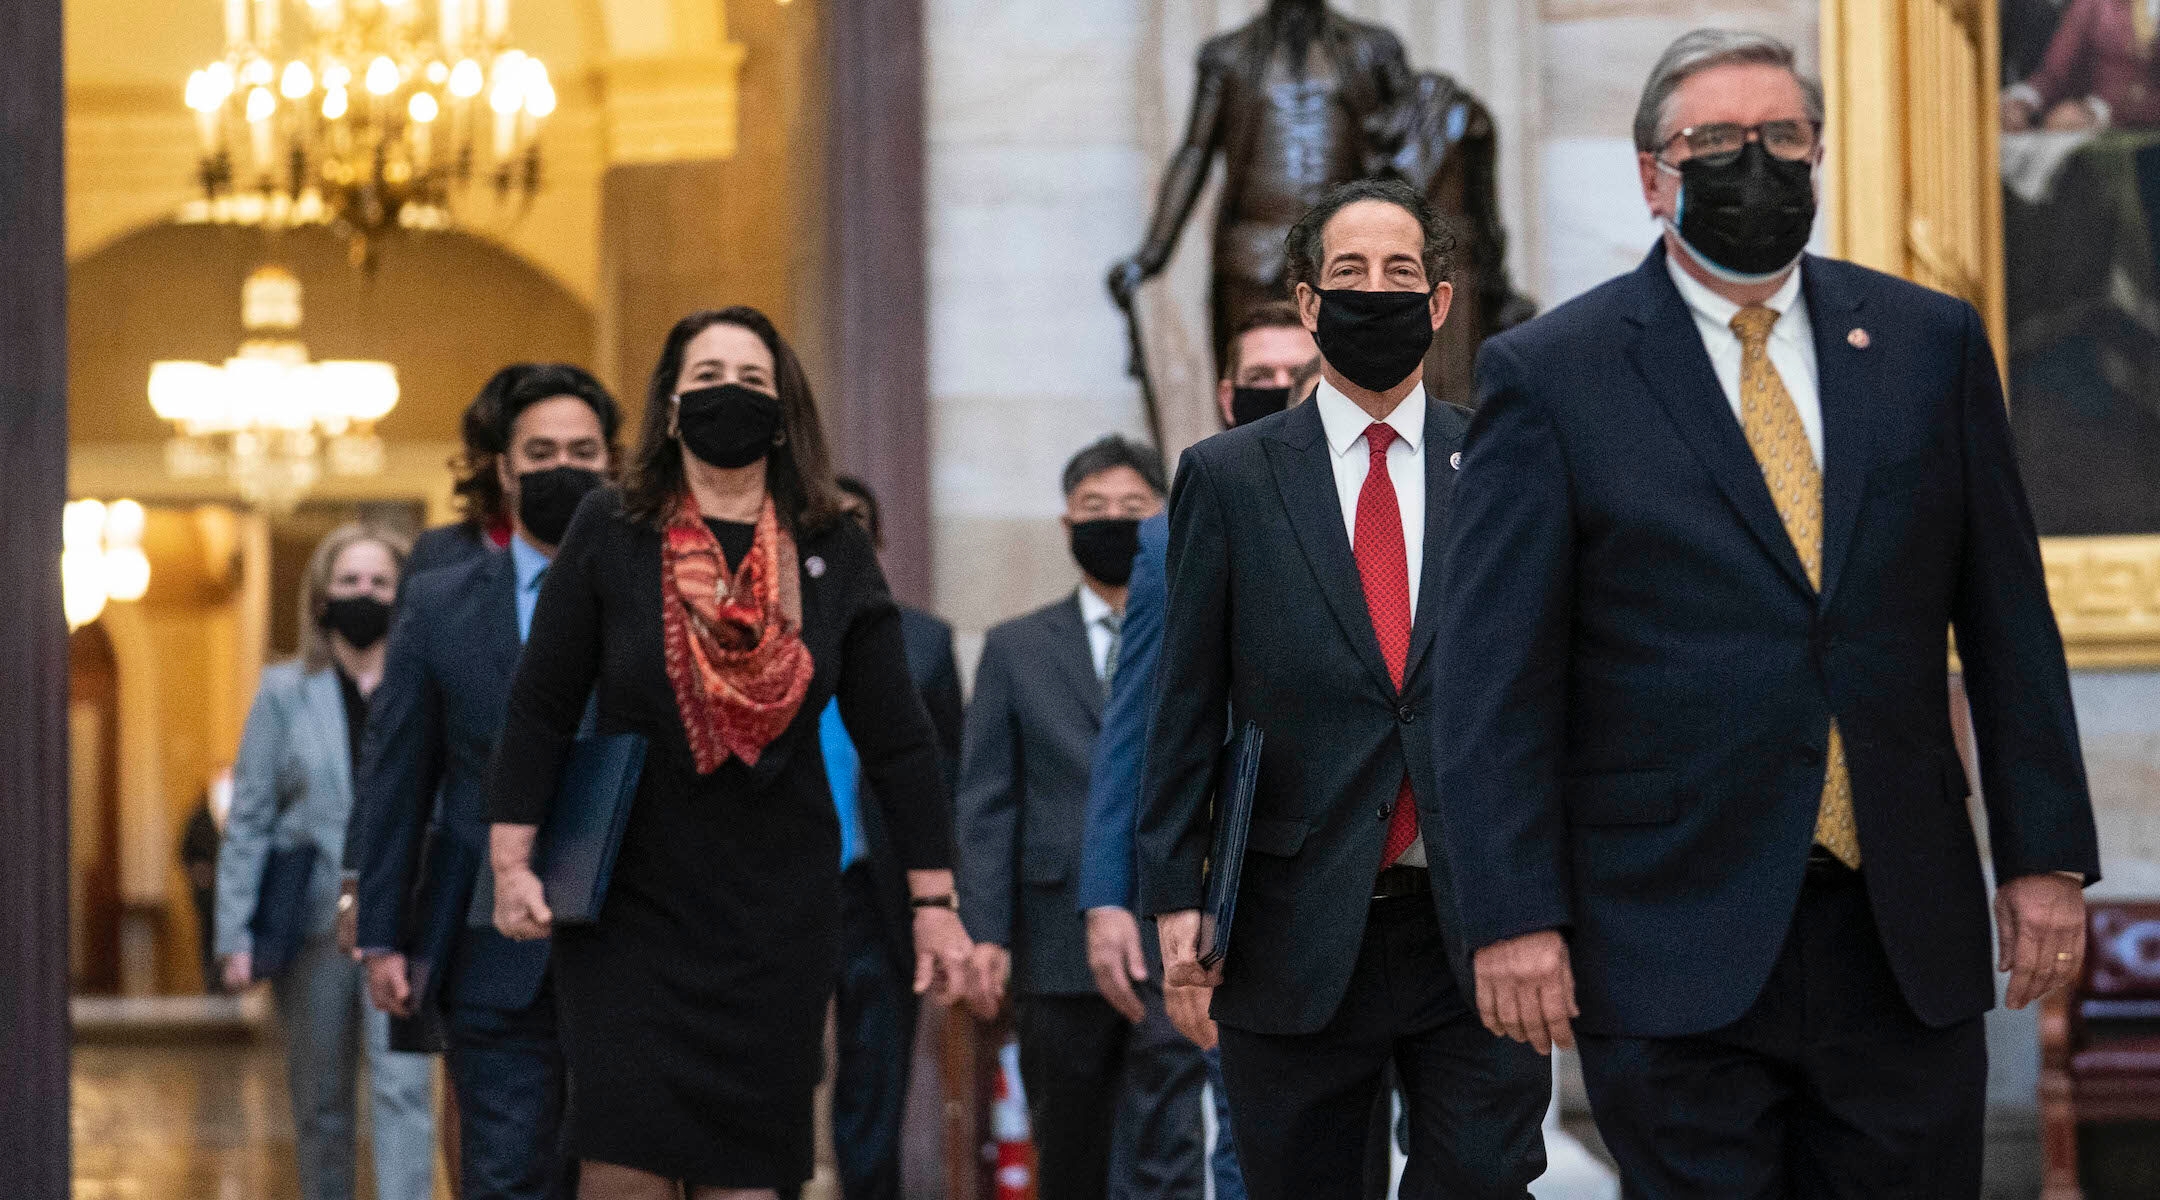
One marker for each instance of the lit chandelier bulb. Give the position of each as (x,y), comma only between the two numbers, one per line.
(334,103)
(218,83)
(382,76)
(298,80)
(336,75)
(258,73)
(423,108)
(260,104)
(466,79)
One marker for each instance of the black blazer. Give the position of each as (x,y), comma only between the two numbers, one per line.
(598,628)
(446,545)
(1022,799)
(930,664)
(1642,679)
(1267,622)
(432,726)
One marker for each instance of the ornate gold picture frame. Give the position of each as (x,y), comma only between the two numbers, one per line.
(1914,187)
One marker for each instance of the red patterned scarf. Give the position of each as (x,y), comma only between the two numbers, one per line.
(735,653)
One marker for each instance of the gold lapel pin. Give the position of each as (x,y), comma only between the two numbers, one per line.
(1858,339)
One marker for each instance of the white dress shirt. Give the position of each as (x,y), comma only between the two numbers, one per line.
(1344,425)
(1792,346)
(1096,614)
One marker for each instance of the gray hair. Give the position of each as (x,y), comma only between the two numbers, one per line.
(1701,50)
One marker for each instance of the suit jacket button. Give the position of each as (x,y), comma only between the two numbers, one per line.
(1386,811)
(1406,714)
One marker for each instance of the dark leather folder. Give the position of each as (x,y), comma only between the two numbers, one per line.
(1237,773)
(280,924)
(575,855)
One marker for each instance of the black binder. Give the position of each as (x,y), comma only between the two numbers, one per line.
(1237,773)
(575,855)
(280,925)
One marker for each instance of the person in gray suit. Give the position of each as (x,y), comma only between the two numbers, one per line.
(1094,1079)
(293,787)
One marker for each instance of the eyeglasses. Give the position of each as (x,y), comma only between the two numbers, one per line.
(1719,143)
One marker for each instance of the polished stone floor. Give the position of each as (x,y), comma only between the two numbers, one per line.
(204,1119)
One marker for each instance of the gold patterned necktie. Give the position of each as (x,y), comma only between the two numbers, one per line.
(1772,423)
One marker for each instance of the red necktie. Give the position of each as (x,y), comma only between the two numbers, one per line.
(1384,568)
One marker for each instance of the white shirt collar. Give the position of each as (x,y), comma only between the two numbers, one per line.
(1093,608)
(1715,308)
(1344,422)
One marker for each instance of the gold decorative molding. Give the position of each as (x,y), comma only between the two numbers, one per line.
(2106,592)
(1914,189)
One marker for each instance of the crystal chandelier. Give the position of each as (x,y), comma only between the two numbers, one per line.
(366,115)
(267,418)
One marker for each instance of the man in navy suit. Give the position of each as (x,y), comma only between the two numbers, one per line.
(1714,523)
(1271,365)
(432,728)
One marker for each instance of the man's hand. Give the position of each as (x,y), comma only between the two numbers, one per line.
(387,986)
(1125,279)
(2017,115)
(942,953)
(1189,1012)
(2072,116)
(1526,991)
(238,970)
(2041,921)
(989,969)
(1179,933)
(521,908)
(348,917)
(1116,959)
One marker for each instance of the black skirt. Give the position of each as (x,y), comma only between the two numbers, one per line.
(694,1011)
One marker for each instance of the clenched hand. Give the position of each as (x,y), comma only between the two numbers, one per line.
(1526,990)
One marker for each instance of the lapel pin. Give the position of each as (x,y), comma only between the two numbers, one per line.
(1455,460)
(815,566)
(1858,339)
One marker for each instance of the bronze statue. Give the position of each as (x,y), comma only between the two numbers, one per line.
(1298,100)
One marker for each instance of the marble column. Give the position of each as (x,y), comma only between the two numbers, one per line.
(34,1129)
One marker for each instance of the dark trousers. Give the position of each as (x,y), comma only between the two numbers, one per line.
(1114,1107)
(1827,1087)
(874,1023)
(507,1068)
(1303,1104)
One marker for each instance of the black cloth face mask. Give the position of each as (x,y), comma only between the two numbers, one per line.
(548,498)
(360,620)
(729,426)
(1376,339)
(1250,404)
(1105,548)
(1746,218)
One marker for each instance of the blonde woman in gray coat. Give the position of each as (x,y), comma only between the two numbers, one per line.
(293,787)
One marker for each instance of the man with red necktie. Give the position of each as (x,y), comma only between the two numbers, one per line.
(1301,567)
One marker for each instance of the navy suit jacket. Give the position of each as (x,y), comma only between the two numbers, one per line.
(432,728)
(1106,846)
(1631,744)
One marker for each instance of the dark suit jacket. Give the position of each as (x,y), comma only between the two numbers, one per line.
(1642,679)
(1106,847)
(447,545)
(1267,622)
(937,677)
(432,726)
(1023,796)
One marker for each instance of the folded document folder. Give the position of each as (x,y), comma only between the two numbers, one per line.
(1237,773)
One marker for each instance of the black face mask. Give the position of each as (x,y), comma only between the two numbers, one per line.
(1250,404)
(1376,339)
(360,620)
(729,426)
(1105,548)
(1748,218)
(548,498)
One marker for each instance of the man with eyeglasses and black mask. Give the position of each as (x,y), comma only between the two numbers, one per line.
(1114,1104)
(1704,808)
(433,728)
(1303,571)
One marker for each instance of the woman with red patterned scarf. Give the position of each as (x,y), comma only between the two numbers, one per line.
(715,603)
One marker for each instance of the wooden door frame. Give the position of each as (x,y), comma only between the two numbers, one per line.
(34,1150)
